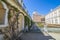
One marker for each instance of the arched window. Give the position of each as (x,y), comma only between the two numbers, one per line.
(3,15)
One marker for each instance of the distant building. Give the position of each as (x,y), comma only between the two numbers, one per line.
(38,18)
(53,17)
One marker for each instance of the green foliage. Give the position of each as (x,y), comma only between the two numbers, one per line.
(40,24)
(9,15)
(25,19)
(32,22)
(27,22)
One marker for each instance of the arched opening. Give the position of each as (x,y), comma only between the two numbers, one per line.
(3,15)
(21,22)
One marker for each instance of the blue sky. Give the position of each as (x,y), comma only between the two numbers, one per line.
(41,6)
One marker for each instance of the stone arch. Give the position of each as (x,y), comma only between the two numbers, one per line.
(21,21)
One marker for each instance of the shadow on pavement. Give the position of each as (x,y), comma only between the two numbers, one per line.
(35,34)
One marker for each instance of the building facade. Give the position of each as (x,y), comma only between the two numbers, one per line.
(53,17)
(38,18)
(12,18)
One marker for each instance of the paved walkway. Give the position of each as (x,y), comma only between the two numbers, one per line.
(34,34)
(1,36)
(55,35)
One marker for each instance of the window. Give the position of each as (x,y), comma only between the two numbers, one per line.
(56,21)
(52,21)
(55,14)
(43,19)
(4,15)
(59,13)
